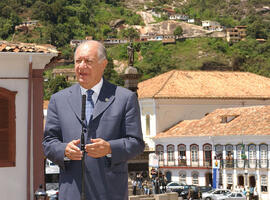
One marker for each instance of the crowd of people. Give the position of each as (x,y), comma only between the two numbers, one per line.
(250,192)
(146,185)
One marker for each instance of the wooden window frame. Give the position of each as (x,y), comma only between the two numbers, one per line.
(11,130)
(173,152)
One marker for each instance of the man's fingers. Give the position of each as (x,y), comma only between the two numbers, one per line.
(76,142)
(96,140)
(72,151)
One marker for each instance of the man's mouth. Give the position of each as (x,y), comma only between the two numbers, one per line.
(82,74)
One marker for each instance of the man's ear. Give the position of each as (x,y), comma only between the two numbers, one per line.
(104,63)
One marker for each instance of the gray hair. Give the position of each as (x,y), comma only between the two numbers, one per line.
(101,51)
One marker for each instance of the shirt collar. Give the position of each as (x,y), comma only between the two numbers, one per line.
(96,88)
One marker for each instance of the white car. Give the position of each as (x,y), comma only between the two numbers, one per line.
(233,196)
(174,186)
(215,194)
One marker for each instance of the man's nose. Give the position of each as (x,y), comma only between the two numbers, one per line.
(82,64)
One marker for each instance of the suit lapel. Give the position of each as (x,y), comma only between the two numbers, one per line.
(75,100)
(105,98)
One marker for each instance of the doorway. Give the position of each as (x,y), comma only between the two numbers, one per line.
(208,179)
(168,175)
(252,181)
(241,180)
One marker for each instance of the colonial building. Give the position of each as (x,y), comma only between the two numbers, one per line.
(211,25)
(239,138)
(236,34)
(21,117)
(68,73)
(172,97)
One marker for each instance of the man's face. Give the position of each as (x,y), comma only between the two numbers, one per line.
(88,68)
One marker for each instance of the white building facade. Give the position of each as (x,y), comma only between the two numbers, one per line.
(170,98)
(187,96)
(187,151)
(21,118)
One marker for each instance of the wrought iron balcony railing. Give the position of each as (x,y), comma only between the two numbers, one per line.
(224,163)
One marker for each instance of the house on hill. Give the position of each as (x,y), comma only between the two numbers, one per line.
(175,96)
(21,118)
(236,138)
(236,34)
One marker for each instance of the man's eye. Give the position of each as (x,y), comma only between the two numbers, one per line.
(88,61)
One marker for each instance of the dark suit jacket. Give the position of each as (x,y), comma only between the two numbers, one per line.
(116,119)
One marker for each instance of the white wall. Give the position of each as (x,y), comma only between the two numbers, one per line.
(13,184)
(223,140)
(14,178)
(168,112)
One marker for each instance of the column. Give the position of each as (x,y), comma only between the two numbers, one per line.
(38,156)
(200,155)
(188,155)
(176,155)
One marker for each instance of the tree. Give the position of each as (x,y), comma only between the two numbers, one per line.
(54,85)
(130,33)
(178,31)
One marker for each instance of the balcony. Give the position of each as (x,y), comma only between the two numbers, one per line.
(224,163)
(183,163)
(245,163)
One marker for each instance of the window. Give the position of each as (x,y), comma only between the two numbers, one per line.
(182,155)
(264,183)
(182,177)
(263,155)
(194,155)
(207,151)
(227,119)
(160,152)
(252,155)
(229,179)
(195,178)
(240,154)
(218,149)
(229,155)
(147,125)
(7,128)
(170,154)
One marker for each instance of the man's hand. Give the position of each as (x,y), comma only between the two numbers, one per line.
(98,148)
(72,151)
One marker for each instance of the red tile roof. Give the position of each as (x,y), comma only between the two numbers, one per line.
(253,120)
(26,47)
(205,84)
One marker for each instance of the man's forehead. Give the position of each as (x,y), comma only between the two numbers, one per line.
(86,51)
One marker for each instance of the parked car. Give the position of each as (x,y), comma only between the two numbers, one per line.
(173,186)
(52,194)
(191,192)
(214,194)
(233,196)
(205,188)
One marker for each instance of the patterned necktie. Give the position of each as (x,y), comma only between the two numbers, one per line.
(89,105)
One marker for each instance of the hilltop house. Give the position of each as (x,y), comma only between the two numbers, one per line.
(212,25)
(236,34)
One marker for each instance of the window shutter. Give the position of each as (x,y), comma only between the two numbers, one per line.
(7,128)
(4,129)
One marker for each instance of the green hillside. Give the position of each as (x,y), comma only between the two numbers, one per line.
(63,20)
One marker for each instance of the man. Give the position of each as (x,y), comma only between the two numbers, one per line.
(113,130)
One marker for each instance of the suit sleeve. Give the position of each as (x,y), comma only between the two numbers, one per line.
(132,142)
(54,148)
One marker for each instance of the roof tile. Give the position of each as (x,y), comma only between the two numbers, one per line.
(205,84)
(253,120)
